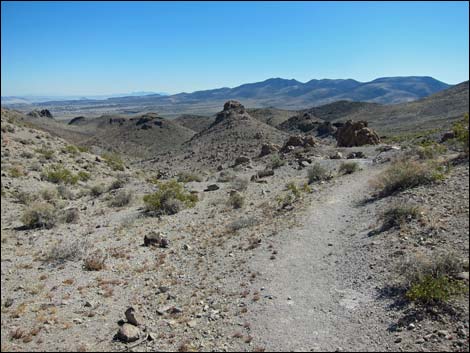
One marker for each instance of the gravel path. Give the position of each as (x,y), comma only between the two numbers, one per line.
(321,299)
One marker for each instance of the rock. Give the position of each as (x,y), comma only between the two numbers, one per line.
(8,302)
(186,247)
(326,129)
(356,133)
(449,135)
(411,326)
(44,113)
(133,317)
(262,174)
(268,148)
(298,141)
(398,340)
(462,276)
(442,333)
(242,160)
(192,323)
(336,155)
(156,239)
(212,187)
(128,333)
(420,341)
(356,155)
(163,289)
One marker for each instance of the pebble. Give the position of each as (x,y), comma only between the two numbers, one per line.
(398,340)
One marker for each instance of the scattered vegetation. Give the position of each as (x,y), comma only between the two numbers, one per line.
(169,199)
(121,198)
(114,161)
(71,149)
(83,176)
(71,215)
(95,261)
(295,193)
(461,132)
(406,174)
(348,167)
(97,190)
(241,223)
(45,152)
(40,215)
(240,184)
(66,250)
(318,173)
(396,216)
(186,177)
(236,200)
(58,174)
(277,162)
(431,280)
(16,171)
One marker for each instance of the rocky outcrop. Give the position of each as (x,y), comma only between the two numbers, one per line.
(44,113)
(298,141)
(356,133)
(269,148)
(232,109)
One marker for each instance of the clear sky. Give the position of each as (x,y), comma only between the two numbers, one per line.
(91,48)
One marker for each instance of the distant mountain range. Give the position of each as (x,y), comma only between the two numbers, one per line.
(274,92)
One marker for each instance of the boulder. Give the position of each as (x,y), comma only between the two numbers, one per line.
(268,148)
(133,317)
(44,113)
(326,129)
(156,239)
(242,160)
(128,333)
(356,133)
(449,135)
(336,155)
(298,141)
(212,187)
(356,155)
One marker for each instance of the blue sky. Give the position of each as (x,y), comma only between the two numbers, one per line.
(78,48)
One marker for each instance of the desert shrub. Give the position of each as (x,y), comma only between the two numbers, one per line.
(114,161)
(318,173)
(16,171)
(240,184)
(242,223)
(121,198)
(66,250)
(406,174)
(399,214)
(237,200)
(26,154)
(119,182)
(71,215)
(286,200)
(83,149)
(95,261)
(348,167)
(169,198)
(40,215)
(49,194)
(226,177)
(97,190)
(277,162)
(58,174)
(461,132)
(429,150)
(45,152)
(70,149)
(83,176)
(430,280)
(292,187)
(186,177)
(65,193)
(23,197)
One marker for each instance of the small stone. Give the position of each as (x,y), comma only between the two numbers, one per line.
(133,317)
(212,187)
(186,247)
(128,333)
(192,323)
(411,326)
(462,276)
(163,289)
(420,341)
(88,304)
(442,333)
(398,340)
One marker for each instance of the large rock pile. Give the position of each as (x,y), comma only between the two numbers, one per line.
(232,109)
(298,141)
(356,133)
(44,113)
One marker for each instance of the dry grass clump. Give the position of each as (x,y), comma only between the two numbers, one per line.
(399,214)
(121,198)
(240,184)
(40,215)
(186,177)
(242,223)
(348,167)
(66,250)
(16,171)
(406,174)
(236,200)
(97,190)
(95,261)
(71,215)
(58,174)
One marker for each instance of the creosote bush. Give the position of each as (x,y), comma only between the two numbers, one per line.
(121,198)
(399,214)
(169,198)
(95,261)
(114,161)
(461,132)
(186,177)
(318,173)
(40,215)
(277,162)
(58,174)
(237,200)
(348,167)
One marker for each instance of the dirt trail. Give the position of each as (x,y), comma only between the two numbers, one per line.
(322,296)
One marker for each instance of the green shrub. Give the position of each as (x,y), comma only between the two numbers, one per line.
(461,132)
(97,190)
(186,177)
(277,162)
(431,290)
(114,161)
(318,173)
(119,182)
(237,200)
(70,149)
(430,150)
(348,167)
(396,216)
(169,198)
(39,215)
(65,193)
(406,174)
(83,149)
(58,174)
(83,176)
(45,152)
(49,194)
